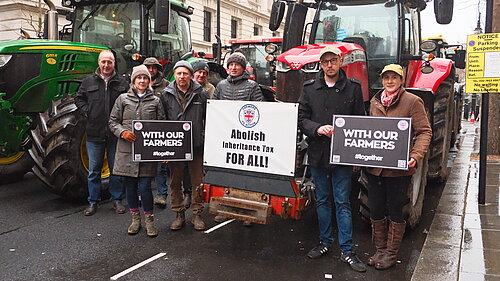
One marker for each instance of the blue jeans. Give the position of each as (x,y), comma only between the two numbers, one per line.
(162,178)
(338,182)
(95,152)
(136,187)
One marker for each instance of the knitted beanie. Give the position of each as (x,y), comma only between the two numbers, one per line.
(185,64)
(138,70)
(237,57)
(199,65)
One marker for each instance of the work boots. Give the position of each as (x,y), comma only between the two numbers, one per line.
(379,238)
(150,226)
(394,238)
(198,222)
(135,226)
(179,221)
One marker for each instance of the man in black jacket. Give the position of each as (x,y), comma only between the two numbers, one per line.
(331,93)
(186,100)
(95,99)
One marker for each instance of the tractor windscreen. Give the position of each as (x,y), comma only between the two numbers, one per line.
(374,27)
(256,57)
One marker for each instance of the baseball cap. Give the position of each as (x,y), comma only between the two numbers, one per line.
(330,49)
(393,67)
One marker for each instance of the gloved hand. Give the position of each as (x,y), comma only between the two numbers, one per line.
(128,135)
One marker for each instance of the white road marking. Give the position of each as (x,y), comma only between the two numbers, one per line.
(218,226)
(127,271)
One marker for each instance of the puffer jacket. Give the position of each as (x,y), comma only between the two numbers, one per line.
(129,107)
(238,88)
(405,105)
(95,100)
(317,105)
(194,111)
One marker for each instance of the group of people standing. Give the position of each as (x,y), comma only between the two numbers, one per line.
(110,104)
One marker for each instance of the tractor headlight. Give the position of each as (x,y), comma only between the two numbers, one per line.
(428,46)
(4,59)
(311,67)
(282,67)
(271,48)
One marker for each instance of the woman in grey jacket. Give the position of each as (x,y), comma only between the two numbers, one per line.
(139,103)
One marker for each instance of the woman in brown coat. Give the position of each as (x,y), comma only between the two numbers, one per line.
(388,187)
(139,103)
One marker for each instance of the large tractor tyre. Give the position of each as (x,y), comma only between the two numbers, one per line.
(59,151)
(442,128)
(412,210)
(15,167)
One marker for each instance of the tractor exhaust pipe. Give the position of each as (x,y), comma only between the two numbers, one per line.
(50,26)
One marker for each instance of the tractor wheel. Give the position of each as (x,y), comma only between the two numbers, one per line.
(15,167)
(442,128)
(412,211)
(59,151)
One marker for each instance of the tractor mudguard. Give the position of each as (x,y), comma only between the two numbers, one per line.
(416,79)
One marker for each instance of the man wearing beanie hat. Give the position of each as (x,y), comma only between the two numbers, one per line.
(138,103)
(237,86)
(158,82)
(186,100)
(95,99)
(201,70)
(330,93)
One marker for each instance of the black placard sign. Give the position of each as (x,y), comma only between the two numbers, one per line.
(382,142)
(161,140)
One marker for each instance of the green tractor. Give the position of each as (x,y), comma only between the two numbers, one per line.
(40,128)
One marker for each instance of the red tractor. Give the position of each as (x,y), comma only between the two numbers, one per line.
(372,34)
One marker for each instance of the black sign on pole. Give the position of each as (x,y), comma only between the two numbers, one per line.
(382,142)
(161,140)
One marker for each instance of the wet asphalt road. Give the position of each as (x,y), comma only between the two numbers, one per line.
(42,237)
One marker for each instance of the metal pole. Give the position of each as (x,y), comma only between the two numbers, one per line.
(219,51)
(483,145)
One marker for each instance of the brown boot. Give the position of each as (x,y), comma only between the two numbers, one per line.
(394,238)
(135,226)
(179,221)
(150,226)
(379,239)
(198,222)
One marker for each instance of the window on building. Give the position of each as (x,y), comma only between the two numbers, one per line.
(257,30)
(207,26)
(234,28)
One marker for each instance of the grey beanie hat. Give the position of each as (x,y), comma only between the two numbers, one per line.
(153,61)
(138,70)
(185,64)
(199,65)
(238,58)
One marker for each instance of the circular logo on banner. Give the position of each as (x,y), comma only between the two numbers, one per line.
(403,125)
(138,126)
(186,126)
(340,122)
(249,115)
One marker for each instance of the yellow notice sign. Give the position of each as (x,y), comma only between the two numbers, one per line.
(483,63)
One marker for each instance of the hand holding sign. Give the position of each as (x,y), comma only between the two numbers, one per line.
(412,163)
(128,135)
(326,130)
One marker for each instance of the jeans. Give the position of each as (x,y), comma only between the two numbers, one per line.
(136,187)
(162,179)
(387,192)
(95,152)
(338,182)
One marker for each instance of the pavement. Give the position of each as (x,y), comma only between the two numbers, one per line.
(463,242)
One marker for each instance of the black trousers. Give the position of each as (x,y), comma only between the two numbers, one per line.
(387,196)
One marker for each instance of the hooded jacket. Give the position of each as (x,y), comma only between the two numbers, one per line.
(238,88)
(95,100)
(194,111)
(317,105)
(405,105)
(129,107)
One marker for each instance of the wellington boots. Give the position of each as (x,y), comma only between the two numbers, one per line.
(150,226)
(198,222)
(394,238)
(135,226)
(179,221)
(379,239)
